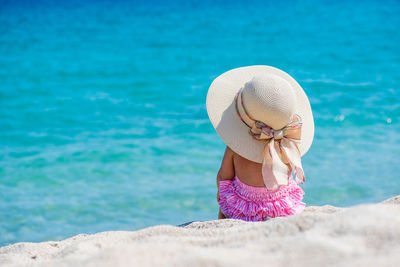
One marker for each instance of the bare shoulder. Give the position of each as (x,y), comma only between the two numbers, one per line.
(226,170)
(229,150)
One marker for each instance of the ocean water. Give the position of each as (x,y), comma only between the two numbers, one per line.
(103,123)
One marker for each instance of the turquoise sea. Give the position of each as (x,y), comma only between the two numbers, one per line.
(103,123)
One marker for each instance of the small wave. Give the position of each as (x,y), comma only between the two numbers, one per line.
(330,82)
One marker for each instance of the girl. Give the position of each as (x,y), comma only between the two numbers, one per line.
(265,118)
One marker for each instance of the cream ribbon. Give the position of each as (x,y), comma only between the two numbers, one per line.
(281,153)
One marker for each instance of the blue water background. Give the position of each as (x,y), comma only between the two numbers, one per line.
(103,123)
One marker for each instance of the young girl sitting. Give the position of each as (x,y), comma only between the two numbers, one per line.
(265,118)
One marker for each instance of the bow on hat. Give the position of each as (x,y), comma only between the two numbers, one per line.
(281,153)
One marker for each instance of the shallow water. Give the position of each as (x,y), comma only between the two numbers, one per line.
(103,124)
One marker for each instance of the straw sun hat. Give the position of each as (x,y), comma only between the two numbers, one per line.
(240,97)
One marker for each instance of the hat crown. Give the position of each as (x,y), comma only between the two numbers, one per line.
(270,99)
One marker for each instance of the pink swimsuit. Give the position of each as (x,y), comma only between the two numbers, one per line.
(245,202)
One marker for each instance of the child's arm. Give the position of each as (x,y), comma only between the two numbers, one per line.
(226,171)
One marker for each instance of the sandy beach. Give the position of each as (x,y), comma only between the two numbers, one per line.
(361,235)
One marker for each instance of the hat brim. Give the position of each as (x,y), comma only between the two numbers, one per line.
(222,113)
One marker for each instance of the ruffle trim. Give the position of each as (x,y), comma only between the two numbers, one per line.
(241,201)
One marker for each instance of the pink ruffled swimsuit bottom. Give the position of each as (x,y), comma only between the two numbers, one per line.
(245,202)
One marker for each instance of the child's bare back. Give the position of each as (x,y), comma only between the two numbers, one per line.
(249,172)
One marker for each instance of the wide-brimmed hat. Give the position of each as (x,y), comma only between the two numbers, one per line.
(265,94)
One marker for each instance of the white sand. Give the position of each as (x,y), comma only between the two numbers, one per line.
(363,235)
